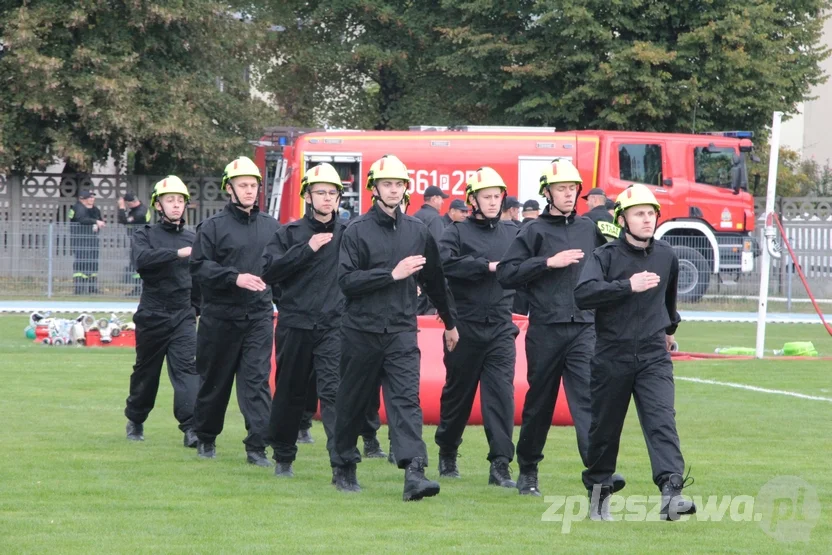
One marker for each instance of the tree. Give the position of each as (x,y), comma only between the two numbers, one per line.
(364,64)
(166,80)
(794,177)
(638,64)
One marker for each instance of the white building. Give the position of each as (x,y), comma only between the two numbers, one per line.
(808,131)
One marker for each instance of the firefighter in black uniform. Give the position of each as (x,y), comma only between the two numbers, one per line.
(302,259)
(166,317)
(486,351)
(85,223)
(631,283)
(546,257)
(236,329)
(383,254)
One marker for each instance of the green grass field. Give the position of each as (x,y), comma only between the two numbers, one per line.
(70,482)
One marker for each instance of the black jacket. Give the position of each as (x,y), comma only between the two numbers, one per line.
(82,220)
(371,246)
(625,321)
(550,290)
(228,244)
(133,216)
(309,294)
(431,218)
(599,214)
(466,249)
(166,281)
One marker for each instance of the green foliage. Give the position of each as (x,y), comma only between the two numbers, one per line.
(86,79)
(640,65)
(621,64)
(795,177)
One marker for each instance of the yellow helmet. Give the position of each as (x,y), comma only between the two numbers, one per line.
(484,178)
(387,167)
(241,166)
(635,195)
(322,173)
(170,184)
(560,171)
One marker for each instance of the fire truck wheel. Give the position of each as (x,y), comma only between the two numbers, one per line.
(694,274)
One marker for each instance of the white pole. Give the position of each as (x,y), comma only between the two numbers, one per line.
(765,268)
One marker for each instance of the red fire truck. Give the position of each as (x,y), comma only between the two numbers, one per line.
(701,181)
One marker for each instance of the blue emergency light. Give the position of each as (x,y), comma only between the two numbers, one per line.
(281,141)
(731,134)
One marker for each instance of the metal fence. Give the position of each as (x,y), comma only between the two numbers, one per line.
(38,257)
(46,198)
(58,260)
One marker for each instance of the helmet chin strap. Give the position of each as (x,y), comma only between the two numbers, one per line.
(334,213)
(179,224)
(633,235)
(379,199)
(235,200)
(491,221)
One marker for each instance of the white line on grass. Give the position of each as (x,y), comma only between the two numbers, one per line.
(755,388)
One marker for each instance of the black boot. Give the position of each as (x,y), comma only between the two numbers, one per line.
(345,479)
(673,504)
(527,481)
(258,458)
(372,449)
(599,502)
(190,440)
(500,474)
(391,458)
(206,449)
(447,465)
(416,486)
(284,470)
(304,436)
(618,482)
(135,431)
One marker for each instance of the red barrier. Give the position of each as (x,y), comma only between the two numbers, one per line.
(430,338)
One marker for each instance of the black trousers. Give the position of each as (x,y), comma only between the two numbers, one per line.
(86,252)
(225,349)
(371,426)
(308,360)
(365,358)
(555,351)
(484,357)
(161,335)
(650,382)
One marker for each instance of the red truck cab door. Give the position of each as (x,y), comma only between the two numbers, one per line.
(646,159)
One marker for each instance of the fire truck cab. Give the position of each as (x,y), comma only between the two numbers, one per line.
(700,180)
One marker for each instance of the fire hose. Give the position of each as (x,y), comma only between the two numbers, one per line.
(774,250)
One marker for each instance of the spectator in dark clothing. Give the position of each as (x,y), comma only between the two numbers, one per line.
(85,222)
(531,210)
(457,212)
